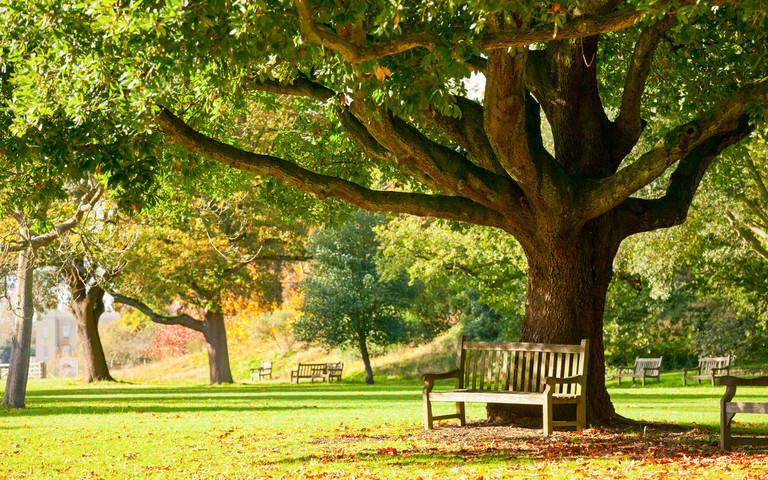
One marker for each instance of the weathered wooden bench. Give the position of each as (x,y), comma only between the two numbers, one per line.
(312,371)
(334,371)
(642,369)
(728,409)
(709,368)
(514,373)
(263,371)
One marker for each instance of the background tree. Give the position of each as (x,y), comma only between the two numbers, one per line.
(391,76)
(346,303)
(194,254)
(23,245)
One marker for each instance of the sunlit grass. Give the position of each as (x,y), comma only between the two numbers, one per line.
(346,430)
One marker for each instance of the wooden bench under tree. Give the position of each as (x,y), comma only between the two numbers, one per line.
(517,374)
(265,370)
(728,409)
(709,368)
(642,369)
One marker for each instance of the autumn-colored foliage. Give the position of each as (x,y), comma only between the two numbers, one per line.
(174,341)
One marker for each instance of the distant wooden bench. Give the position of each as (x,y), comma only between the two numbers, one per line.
(709,368)
(642,369)
(35,370)
(514,373)
(312,371)
(334,371)
(263,371)
(728,409)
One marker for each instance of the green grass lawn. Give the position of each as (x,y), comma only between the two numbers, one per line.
(348,430)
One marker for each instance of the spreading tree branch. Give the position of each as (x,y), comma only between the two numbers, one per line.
(86,204)
(636,215)
(629,124)
(184,320)
(724,120)
(447,207)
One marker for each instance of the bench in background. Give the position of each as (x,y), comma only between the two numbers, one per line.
(36,370)
(728,409)
(263,371)
(514,373)
(709,368)
(642,369)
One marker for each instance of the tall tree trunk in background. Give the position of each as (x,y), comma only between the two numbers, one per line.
(366,358)
(216,343)
(21,342)
(87,307)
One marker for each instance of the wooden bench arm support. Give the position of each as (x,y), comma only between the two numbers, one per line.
(429,378)
(717,369)
(697,369)
(626,369)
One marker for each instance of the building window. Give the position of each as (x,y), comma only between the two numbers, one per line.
(45,331)
(65,331)
(66,350)
(45,353)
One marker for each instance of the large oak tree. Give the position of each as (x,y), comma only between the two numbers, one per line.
(632,92)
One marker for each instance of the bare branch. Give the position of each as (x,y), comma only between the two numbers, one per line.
(184,320)
(747,235)
(86,204)
(451,208)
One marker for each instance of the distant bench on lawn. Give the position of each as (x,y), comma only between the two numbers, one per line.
(323,371)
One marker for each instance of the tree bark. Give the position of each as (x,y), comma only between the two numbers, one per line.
(87,309)
(567,283)
(216,343)
(18,370)
(366,358)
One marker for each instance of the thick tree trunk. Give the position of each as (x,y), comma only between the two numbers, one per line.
(362,343)
(216,342)
(18,370)
(87,309)
(567,284)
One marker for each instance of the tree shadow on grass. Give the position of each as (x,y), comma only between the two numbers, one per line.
(479,444)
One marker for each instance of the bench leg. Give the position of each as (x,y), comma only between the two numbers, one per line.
(547,417)
(725,429)
(427,413)
(643,380)
(461,412)
(581,414)
(619,379)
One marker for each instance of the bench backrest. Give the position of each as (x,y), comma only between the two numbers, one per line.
(310,369)
(708,363)
(520,367)
(653,365)
(334,369)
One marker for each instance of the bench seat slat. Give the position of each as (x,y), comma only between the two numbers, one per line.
(495,396)
(747,407)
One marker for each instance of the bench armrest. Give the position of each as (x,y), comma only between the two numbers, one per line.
(650,369)
(429,378)
(686,370)
(717,369)
(747,382)
(628,369)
